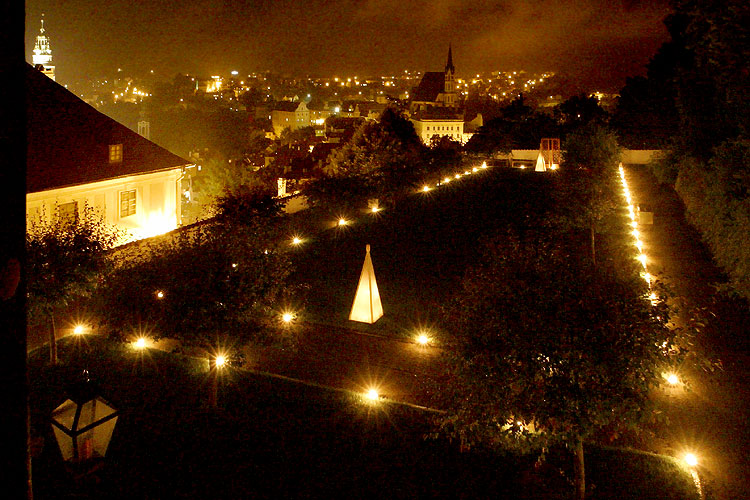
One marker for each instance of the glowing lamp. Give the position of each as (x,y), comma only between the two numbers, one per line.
(372,395)
(221,360)
(446,180)
(423,339)
(375,209)
(474,169)
(425,188)
(287,317)
(672,379)
(554,166)
(691,459)
(83,424)
(79,330)
(296,240)
(342,222)
(140,343)
(484,164)
(642,259)
(159,294)
(457,176)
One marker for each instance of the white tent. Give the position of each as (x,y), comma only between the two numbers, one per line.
(367,307)
(540,165)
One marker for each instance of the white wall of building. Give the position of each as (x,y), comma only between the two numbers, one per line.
(426,129)
(157,207)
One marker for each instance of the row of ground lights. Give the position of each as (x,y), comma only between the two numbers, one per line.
(690,458)
(421,338)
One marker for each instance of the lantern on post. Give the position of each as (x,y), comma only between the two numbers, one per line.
(83,424)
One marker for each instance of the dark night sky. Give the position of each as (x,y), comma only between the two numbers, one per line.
(601,41)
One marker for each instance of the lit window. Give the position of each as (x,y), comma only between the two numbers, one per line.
(68,212)
(127,203)
(115,153)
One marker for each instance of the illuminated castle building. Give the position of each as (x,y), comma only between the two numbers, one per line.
(42,54)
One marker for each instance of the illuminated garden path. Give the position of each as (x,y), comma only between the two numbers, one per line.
(712,417)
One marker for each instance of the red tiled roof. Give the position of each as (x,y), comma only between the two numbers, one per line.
(68,140)
(432,84)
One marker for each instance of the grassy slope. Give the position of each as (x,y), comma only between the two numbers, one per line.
(420,248)
(277,439)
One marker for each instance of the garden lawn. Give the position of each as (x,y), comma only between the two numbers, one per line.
(273,438)
(420,248)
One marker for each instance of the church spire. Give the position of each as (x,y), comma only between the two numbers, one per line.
(449,65)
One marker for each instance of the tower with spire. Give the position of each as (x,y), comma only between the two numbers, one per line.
(450,85)
(42,53)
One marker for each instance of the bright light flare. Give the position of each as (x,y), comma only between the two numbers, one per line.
(672,378)
(79,330)
(425,188)
(484,164)
(372,395)
(140,343)
(287,317)
(221,360)
(296,240)
(423,339)
(375,209)
(690,459)
(343,222)
(159,294)
(642,259)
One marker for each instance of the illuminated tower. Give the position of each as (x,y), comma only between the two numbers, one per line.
(450,85)
(42,54)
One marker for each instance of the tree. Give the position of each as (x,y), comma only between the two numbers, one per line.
(65,259)
(381,159)
(214,282)
(547,350)
(580,110)
(591,155)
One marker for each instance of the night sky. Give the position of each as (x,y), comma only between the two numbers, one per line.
(598,41)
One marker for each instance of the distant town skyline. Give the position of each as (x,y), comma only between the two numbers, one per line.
(596,42)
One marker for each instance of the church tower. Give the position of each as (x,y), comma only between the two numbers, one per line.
(42,53)
(450,84)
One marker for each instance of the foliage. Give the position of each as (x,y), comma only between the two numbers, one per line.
(379,160)
(247,202)
(215,280)
(708,160)
(517,127)
(64,261)
(717,199)
(580,110)
(545,348)
(591,147)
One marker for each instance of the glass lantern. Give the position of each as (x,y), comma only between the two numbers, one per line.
(83,427)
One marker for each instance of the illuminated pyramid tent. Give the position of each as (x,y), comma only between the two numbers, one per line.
(367,307)
(540,166)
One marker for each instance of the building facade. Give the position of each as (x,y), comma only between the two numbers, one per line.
(78,159)
(289,114)
(42,53)
(435,108)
